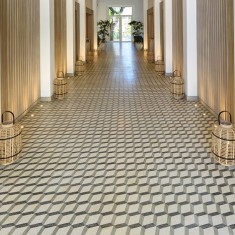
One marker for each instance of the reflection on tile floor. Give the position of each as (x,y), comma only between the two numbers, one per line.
(119,156)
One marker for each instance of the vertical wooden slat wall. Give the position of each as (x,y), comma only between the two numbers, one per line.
(162,30)
(90,27)
(77,30)
(1,33)
(215,54)
(60,36)
(177,35)
(20,54)
(150,17)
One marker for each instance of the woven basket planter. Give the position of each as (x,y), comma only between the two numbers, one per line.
(223,141)
(177,85)
(60,86)
(79,67)
(60,74)
(150,57)
(160,66)
(10,140)
(90,57)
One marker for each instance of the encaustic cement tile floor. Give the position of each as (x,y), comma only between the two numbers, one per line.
(119,156)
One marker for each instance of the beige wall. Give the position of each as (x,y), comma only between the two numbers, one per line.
(20,58)
(215,54)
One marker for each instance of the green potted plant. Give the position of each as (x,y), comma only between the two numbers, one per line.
(103,33)
(137,31)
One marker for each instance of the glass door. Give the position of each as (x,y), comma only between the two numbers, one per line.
(120,30)
(126,28)
(115,29)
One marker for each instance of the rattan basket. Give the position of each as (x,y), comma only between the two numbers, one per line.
(60,86)
(223,141)
(10,140)
(150,57)
(60,74)
(79,67)
(177,85)
(160,66)
(90,57)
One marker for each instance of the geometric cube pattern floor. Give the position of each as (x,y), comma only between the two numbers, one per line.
(119,156)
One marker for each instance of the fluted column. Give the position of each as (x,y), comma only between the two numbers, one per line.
(190,48)
(47,43)
(70,15)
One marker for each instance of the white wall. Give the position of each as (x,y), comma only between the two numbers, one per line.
(136,4)
(89,4)
(47,44)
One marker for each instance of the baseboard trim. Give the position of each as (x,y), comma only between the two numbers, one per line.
(192,98)
(168,74)
(70,74)
(46,99)
(27,110)
(207,107)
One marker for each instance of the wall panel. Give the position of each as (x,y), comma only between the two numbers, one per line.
(20,58)
(215,54)
(177,14)
(77,30)
(162,30)
(150,30)
(60,36)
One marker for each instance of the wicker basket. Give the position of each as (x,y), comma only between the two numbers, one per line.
(223,141)
(60,74)
(90,57)
(10,140)
(60,86)
(79,67)
(160,66)
(177,85)
(150,57)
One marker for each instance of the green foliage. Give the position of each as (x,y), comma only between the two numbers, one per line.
(112,11)
(137,27)
(103,30)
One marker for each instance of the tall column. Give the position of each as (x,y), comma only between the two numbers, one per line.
(145,14)
(47,44)
(94,6)
(83,29)
(70,15)
(157,42)
(190,48)
(168,45)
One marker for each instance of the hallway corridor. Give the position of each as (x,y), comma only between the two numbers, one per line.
(118,156)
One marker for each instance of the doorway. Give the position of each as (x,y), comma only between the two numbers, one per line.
(120,30)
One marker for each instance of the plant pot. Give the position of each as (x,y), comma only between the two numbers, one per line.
(138,46)
(102,46)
